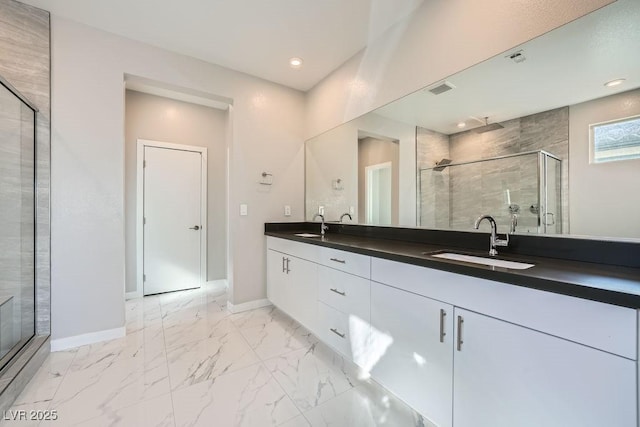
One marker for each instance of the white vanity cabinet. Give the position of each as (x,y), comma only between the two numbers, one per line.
(503,363)
(292,285)
(326,290)
(464,351)
(506,375)
(414,337)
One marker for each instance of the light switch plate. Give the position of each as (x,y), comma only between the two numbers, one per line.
(352,210)
(244,210)
(287,210)
(321,210)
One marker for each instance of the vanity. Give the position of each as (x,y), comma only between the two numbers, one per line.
(465,344)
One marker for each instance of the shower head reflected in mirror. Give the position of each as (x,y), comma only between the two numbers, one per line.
(488,127)
(441,165)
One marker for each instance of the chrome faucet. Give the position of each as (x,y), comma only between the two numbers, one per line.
(345,214)
(322,226)
(494,241)
(514,223)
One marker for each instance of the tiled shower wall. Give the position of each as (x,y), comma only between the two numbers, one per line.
(454,197)
(25,64)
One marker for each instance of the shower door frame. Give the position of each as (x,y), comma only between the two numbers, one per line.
(7,359)
(542,175)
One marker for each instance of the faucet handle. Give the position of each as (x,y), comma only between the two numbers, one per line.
(502,242)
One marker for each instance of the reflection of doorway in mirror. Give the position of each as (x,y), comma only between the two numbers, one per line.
(378,180)
(378,195)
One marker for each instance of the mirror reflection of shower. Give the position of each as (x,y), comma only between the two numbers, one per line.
(521,191)
(378,180)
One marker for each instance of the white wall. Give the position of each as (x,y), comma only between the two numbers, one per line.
(440,39)
(334,154)
(162,119)
(604,199)
(88,245)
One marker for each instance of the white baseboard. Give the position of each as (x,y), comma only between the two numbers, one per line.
(90,338)
(245,306)
(222,283)
(132,295)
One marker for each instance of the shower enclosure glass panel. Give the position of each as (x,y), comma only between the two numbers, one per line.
(17,234)
(524,185)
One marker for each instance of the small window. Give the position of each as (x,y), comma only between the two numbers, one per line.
(615,140)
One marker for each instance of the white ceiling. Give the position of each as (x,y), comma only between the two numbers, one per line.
(253,36)
(564,67)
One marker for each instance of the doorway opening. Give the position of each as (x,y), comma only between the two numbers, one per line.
(172,120)
(378,180)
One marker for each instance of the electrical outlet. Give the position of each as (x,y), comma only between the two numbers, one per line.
(352,210)
(287,210)
(321,210)
(244,211)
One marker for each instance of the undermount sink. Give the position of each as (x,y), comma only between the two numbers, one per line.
(482,260)
(306,235)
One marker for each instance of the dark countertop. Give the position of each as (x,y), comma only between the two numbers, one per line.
(619,285)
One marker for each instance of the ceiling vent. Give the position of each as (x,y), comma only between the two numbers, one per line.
(441,87)
(517,56)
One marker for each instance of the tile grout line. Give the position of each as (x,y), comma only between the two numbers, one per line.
(166,358)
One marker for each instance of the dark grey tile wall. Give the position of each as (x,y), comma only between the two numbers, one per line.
(25,63)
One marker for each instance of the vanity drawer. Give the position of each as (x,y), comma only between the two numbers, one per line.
(297,249)
(333,328)
(595,324)
(349,262)
(345,292)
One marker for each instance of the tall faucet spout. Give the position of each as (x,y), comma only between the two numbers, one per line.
(494,233)
(322,226)
(346,214)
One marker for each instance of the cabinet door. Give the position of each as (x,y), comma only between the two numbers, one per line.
(508,375)
(418,363)
(276,275)
(302,291)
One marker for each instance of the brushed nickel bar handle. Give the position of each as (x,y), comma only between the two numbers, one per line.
(283,268)
(443,314)
(460,322)
(335,331)
(338,292)
(341,261)
(288,271)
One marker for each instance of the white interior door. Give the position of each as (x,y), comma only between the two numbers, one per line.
(172,220)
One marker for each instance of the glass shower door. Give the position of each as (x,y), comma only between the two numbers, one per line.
(17,233)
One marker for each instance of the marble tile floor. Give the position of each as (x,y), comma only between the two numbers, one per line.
(187,361)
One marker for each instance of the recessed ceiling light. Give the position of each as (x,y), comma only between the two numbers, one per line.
(461,125)
(295,62)
(615,82)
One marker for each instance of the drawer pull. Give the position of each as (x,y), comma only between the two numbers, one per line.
(338,292)
(341,261)
(335,331)
(443,314)
(460,322)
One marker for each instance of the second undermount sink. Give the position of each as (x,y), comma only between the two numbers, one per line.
(307,235)
(482,260)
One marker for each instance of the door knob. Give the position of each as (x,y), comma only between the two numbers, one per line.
(196,227)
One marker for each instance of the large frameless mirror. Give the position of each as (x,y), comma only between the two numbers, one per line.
(544,137)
